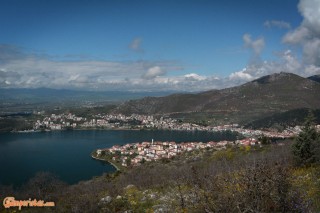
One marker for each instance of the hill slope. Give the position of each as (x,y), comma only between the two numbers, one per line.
(281,120)
(269,94)
(315,78)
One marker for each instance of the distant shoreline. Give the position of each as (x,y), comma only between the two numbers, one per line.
(105,129)
(84,129)
(98,129)
(117,168)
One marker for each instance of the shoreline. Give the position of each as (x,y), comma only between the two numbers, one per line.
(77,129)
(98,129)
(115,166)
(117,129)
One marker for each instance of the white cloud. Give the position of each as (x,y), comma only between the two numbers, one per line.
(287,62)
(307,35)
(28,70)
(194,77)
(153,72)
(312,70)
(296,36)
(32,71)
(241,75)
(256,45)
(278,24)
(310,10)
(136,45)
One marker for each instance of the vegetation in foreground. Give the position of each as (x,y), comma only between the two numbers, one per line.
(281,177)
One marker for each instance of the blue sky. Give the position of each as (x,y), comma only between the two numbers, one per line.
(151,45)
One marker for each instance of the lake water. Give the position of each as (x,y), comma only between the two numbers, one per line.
(67,153)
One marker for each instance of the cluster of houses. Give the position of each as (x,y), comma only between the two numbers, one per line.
(136,153)
(58,122)
(119,121)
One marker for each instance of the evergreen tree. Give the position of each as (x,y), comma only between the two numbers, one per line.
(307,143)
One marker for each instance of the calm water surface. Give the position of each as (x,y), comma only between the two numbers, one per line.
(67,153)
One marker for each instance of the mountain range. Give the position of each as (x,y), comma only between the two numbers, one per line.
(17,100)
(37,95)
(265,96)
(249,104)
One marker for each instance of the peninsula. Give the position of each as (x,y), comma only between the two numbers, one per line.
(135,154)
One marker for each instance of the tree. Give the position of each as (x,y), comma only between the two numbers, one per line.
(306,146)
(44,185)
(143,161)
(264,140)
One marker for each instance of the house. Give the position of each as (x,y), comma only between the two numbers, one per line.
(99,152)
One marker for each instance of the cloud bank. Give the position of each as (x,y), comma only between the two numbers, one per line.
(20,69)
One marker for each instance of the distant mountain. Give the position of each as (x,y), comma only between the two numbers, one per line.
(269,94)
(40,95)
(315,78)
(17,101)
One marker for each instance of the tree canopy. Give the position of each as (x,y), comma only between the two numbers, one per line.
(306,148)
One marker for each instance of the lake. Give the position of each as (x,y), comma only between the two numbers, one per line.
(67,153)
